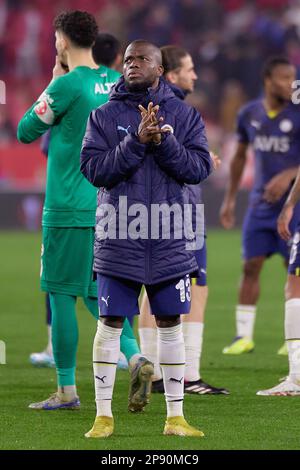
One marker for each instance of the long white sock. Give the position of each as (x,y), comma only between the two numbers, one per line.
(172,360)
(106,350)
(193,337)
(148,344)
(49,349)
(245,320)
(292,336)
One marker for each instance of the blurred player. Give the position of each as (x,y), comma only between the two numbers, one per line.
(180,73)
(272,126)
(106,51)
(291,385)
(45,358)
(70,202)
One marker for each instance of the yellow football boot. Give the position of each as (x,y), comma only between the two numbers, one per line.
(177,426)
(102,427)
(283,351)
(239,346)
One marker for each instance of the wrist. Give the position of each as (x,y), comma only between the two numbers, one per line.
(289,204)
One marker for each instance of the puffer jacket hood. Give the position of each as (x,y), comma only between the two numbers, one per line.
(135,178)
(162,93)
(178,92)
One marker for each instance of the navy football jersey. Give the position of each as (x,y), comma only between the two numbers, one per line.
(276,145)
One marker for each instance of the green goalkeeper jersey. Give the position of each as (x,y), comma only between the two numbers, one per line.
(65,106)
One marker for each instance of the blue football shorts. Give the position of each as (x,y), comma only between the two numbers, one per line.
(119,297)
(201,257)
(260,236)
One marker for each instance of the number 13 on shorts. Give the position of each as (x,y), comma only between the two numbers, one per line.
(184,288)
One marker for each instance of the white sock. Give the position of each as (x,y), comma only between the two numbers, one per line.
(172,358)
(106,350)
(148,344)
(245,320)
(49,349)
(193,337)
(292,336)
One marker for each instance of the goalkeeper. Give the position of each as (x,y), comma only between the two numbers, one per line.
(70,203)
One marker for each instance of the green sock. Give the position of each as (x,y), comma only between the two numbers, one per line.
(64,337)
(129,345)
(92,304)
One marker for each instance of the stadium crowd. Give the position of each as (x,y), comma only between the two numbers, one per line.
(228,39)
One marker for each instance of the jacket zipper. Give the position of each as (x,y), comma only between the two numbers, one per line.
(148,241)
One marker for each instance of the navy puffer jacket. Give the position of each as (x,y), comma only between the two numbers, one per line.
(114,160)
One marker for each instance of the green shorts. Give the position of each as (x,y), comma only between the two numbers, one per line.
(67,261)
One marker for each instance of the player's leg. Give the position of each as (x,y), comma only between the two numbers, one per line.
(193,326)
(45,358)
(129,345)
(259,241)
(121,301)
(148,342)
(168,301)
(65,276)
(291,385)
(246,308)
(64,340)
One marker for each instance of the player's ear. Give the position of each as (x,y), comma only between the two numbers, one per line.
(171,77)
(64,42)
(160,70)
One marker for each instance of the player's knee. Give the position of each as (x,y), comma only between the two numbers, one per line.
(167,322)
(113,322)
(252,269)
(292,288)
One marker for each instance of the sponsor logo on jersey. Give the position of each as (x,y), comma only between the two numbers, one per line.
(286,125)
(103,88)
(43,109)
(255,124)
(271,144)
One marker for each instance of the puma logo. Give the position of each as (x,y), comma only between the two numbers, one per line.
(100,378)
(120,128)
(105,300)
(176,380)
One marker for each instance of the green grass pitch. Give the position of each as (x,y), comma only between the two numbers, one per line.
(239,421)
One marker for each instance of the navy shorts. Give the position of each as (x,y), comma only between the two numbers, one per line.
(260,236)
(119,297)
(294,264)
(201,257)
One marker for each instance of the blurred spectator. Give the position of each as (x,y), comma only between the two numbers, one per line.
(228,39)
(7,132)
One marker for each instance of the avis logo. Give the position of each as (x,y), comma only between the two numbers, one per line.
(2,352)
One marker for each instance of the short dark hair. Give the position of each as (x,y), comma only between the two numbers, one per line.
(171,57)
(106,49)
(79,26)
(272,63)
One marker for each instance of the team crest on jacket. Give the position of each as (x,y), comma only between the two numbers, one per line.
(168,128)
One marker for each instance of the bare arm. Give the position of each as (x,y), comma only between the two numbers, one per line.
(237,166)
(294,195)
(288,210)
